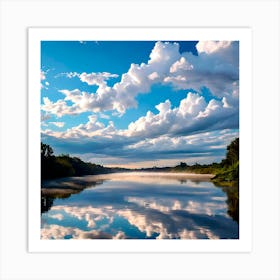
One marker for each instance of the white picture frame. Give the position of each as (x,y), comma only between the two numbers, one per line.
(16,262)
(243,35)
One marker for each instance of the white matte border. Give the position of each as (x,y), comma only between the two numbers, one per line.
(243,35)
(16,263)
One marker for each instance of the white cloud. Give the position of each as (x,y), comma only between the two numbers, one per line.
(192,105)
(60,232)
(193,114)
(212,208)
(166,224)
(211,46)
(59,108)
(183,132)
(153,76)
(216,67)
(145,224)
(184,216)
(96,78)
(181,64)
(89,214)
(163,54)
(121,96)
(58,124)
(57,216)
(93,78)
(43,76)
(90,129)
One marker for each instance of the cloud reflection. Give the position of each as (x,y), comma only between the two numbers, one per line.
(119,209)
(167,205)
(60,232)
(89,214)
(177,224)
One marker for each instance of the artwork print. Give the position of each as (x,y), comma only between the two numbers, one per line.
(139,139)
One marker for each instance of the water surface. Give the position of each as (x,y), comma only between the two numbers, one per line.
(136,206)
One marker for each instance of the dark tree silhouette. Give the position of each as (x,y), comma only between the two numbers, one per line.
(46,150)
(65,166)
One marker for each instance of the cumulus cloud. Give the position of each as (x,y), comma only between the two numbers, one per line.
(215,67)
(59,108)
(121,96)
(194,114)
(140,78)
(181,64)
(110,148)
(162,133)
(211,46)
(90,129)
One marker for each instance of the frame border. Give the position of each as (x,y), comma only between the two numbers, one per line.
(263,16)
(243,35)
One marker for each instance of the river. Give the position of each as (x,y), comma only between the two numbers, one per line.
(135,205)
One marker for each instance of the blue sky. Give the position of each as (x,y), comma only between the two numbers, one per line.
(140,103)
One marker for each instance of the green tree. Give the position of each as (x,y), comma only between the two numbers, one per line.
(64,166)
(232,155)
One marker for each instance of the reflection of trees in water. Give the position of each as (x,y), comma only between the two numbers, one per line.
(46,203)
(62,189)
(232,199)
(47,199)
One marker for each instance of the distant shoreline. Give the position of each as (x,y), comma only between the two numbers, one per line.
(71,185)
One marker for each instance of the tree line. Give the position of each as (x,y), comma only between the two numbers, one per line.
(227,171)
(65,166)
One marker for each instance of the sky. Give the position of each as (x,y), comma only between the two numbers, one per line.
(140,103)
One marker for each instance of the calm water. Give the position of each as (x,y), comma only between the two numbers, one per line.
(136,205)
